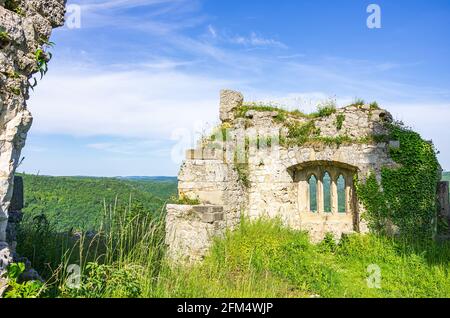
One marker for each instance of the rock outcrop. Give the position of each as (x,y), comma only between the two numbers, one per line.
(25,29)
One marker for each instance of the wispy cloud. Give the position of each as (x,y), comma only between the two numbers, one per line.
(291,56)
(251,40)
(256,40)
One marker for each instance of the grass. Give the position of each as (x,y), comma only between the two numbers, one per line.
(374,105)
(358,102)
(296,268)
(184,200)
(324,110)
(300,133)
(260,259)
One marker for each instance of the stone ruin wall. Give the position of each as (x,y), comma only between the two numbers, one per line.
(277,175)
(25,25)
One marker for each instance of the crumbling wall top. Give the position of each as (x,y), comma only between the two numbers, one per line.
(229,101)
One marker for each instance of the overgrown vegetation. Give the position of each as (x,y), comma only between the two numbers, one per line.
(119,259)
(340,118)
(184,200)
(18,289)
(358,102)
(14,6)
(324,110)
(301,127)
(4,36)
(406,195)
(259,259)
(374,105)
(281,116)
(299,133)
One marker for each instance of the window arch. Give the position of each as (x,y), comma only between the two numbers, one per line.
(312,182)
(326,181)
(325,187)
(341,194)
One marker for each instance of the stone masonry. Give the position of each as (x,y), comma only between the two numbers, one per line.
(25,27)
(245,169)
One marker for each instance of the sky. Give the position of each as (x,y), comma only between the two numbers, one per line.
(135,83)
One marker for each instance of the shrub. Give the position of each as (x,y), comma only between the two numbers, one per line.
(407,194)
(17,289)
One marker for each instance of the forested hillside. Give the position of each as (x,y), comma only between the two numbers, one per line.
(79,202)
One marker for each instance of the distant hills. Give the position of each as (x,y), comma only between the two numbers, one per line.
(143,178)
(79,202)
(446,176)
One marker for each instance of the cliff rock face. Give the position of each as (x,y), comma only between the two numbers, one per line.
(25,28)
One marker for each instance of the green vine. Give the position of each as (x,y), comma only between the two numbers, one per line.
(406,196)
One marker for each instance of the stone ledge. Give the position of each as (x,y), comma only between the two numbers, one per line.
(203,213)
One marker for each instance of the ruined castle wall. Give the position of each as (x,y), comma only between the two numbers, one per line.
(25,25)
(190,230)
(358,122)
(213,182)
(246,169)
(276,192)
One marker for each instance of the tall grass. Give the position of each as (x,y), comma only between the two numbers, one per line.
(125,258)
(128,245)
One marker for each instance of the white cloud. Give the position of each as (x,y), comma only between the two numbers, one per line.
(144,104)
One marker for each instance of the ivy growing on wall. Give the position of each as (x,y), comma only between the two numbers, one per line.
(406,196)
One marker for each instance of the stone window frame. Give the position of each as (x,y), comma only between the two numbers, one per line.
(302,174)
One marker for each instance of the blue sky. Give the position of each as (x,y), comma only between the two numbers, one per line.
(138,82)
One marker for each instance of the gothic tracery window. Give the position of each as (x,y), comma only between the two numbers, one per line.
(312,193)
(341,194)
(326,188)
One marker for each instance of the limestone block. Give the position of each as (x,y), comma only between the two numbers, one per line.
(189,234)
(229,102)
